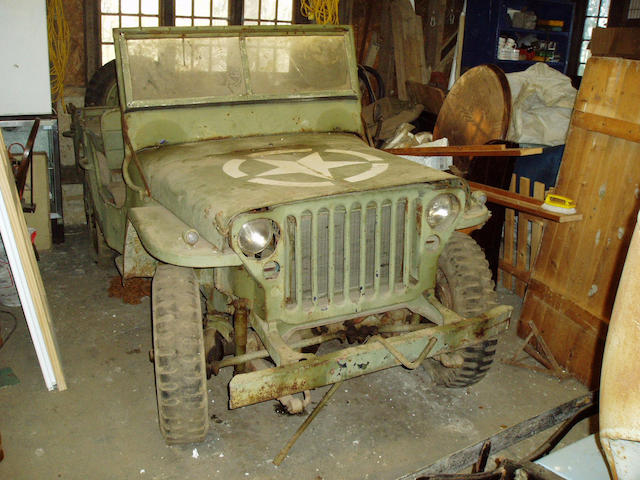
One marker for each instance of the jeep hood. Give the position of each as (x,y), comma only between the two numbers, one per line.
(207,183)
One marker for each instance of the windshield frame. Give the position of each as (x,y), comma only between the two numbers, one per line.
(123,35)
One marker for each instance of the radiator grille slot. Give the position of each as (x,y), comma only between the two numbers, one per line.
(349,251)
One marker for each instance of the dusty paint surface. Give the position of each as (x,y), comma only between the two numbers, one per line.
(217,180)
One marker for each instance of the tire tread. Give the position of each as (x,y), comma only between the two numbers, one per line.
(181,388)
(467,269)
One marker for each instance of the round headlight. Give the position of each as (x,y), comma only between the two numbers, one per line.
(442,210)
(255,235)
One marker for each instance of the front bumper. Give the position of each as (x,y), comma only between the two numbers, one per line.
(259,386)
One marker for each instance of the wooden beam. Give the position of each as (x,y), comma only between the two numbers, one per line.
(587,320)
(27,277)
(529,205)
(607,125)
(431,98)
(434,31)
(397,28)
(467,150)
(503,439)
(520,274)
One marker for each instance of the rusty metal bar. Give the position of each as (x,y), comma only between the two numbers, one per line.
(247,357)
(240,323)
(283,453)
(371,357)
(404,360)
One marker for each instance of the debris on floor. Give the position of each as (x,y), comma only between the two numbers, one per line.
(7,377)
(133,290)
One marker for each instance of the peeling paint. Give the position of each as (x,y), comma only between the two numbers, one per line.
(598,233)
(593,290)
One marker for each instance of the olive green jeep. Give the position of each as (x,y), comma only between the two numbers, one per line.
(236,174)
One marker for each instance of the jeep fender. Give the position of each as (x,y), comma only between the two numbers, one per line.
(154,234)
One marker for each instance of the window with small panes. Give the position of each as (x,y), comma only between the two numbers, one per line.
(152,13)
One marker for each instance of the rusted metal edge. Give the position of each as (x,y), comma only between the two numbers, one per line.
(267,384)
(466,457)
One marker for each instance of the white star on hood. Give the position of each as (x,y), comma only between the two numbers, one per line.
(312,165)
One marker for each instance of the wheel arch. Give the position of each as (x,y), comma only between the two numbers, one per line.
(154,235)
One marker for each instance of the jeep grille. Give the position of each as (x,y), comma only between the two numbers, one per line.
(347,251)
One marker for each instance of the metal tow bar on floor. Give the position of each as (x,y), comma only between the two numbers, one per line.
(394,351)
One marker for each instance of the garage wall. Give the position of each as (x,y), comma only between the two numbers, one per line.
(76,68)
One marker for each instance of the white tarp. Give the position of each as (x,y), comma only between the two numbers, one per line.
(542,99)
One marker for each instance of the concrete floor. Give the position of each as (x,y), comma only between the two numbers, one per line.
(104,426)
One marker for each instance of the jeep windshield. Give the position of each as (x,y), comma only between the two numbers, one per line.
(175,66)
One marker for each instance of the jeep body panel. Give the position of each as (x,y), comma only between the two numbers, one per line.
(209,183)
(222,128)
(162,235)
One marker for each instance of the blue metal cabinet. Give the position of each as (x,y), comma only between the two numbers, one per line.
(486,22)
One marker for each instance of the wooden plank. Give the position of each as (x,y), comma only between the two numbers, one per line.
(397,28)
(522,253)
(536,227)
(616,41)
(604,276)
(425,73)
(434,31)
(458,461)
(467,150)
(576,346)
(520,274)
(609,126)
(459,44)
(429,97)
(372,51)
(532,206)
(581,263)
(386,56)
(443,65)
(410,45)
(27,276)
(362,51)
(509,226)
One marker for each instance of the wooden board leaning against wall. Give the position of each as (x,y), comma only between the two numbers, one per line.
(575,278)
(431,36)
(26,274)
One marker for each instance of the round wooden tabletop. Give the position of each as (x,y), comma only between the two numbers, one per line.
(477,109)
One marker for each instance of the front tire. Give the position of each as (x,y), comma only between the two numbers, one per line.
(180,370)
(464,285)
